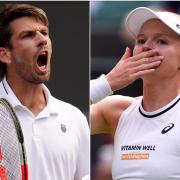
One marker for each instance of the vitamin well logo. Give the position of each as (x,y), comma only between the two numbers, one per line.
(136,152)
(138,148)
(138,156)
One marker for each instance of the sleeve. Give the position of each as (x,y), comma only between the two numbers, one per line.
(99,89)
(83,162)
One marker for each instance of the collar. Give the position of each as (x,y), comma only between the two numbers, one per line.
(159,111)
(51,106)
(7,93)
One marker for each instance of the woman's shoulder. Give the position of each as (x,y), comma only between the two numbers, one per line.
(113,107)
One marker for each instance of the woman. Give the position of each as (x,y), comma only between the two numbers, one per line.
(146,129)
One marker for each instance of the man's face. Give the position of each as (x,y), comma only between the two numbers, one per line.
(31,50)
(156,35)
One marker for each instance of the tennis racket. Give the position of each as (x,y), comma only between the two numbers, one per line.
(13,163)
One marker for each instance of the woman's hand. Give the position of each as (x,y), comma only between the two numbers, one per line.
(130,68)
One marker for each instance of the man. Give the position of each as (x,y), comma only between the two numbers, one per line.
(56,133)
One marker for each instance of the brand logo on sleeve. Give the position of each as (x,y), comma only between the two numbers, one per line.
(167,128)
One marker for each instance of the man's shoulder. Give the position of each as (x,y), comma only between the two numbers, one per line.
(69,113)
(64,106)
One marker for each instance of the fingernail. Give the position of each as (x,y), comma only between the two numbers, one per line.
(161,57)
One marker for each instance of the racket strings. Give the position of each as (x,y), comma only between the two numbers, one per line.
(9,145)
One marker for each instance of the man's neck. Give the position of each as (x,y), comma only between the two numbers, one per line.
(30,95)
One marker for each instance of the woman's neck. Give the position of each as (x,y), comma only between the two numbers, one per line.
(156,96)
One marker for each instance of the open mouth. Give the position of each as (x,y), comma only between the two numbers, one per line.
(42,60)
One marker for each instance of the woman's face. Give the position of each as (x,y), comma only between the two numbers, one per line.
(156,35)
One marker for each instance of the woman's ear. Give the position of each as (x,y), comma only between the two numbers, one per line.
(5,55)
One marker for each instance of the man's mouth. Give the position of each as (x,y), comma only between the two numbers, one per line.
(42,59)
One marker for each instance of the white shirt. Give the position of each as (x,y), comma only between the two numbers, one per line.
(56,140)
(147,144)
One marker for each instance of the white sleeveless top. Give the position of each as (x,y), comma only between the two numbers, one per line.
(147,144)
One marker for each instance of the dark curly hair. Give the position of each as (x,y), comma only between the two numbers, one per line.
(9,13)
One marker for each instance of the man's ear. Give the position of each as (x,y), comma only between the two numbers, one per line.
(5,55)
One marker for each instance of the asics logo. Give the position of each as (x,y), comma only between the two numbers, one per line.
(167,128)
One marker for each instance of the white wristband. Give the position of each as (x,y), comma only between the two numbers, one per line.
(99,89)
(87,177)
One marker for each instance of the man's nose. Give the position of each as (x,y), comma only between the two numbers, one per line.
(41,39)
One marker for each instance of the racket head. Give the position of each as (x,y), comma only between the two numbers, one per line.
(13,162)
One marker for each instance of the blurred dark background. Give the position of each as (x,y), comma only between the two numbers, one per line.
(69,32)
(109,39)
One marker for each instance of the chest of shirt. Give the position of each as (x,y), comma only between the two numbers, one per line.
(147,148)
(54,133)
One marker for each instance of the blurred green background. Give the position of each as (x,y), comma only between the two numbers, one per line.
(109,39)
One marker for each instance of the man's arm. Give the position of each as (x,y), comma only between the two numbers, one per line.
(83,161)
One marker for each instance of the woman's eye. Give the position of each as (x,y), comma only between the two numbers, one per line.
(161,41)
(140,41)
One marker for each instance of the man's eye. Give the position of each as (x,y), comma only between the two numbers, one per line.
(27,35)
(45,33)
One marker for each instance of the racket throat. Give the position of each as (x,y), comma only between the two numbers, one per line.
(24,169)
